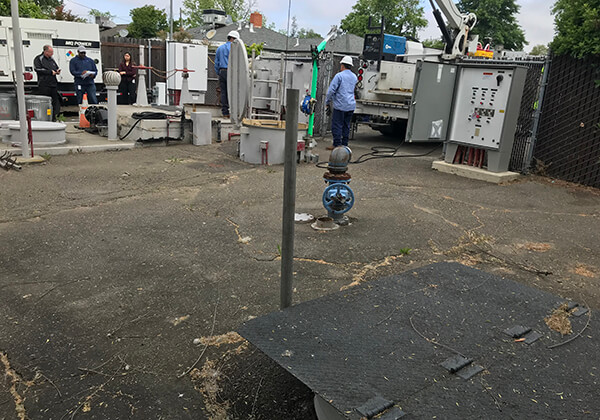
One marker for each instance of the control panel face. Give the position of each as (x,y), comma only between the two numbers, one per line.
(480,106)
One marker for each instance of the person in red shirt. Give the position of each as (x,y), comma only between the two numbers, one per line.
(127,86)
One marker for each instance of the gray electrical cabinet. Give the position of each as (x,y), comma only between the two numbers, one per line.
(486,106)
(431,104)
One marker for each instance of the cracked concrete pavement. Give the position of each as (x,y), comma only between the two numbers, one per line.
(111,264)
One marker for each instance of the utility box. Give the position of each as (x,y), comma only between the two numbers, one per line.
(486,107)
(396,77)
(201,128)
(393,45)
(197,61)
(431,103)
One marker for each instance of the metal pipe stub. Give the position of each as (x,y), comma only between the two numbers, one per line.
(324,223)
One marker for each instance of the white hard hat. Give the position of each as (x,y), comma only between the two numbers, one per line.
(347,60)
(233,34)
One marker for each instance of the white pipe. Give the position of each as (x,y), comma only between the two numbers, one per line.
(112,112)
(18,46)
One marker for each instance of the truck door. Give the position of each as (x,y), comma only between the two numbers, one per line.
(431,102)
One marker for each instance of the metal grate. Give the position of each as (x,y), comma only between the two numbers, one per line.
(39,35)
(568,144)
(212,96)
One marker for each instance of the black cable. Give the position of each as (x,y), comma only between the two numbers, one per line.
(382,152)
(379,152)
(148,115)
(130,130)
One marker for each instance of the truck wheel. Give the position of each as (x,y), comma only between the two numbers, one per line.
(395,129)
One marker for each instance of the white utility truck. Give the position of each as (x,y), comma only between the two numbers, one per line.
(64,37)
(388,72)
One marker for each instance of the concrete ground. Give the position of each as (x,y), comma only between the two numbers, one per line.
(112,264)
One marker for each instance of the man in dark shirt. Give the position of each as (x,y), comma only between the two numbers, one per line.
(47,69)
(84,71)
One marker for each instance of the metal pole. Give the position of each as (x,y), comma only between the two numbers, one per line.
(537,115)
(149,63)
(251,101)
(18,46)
(289,197)
(171,22)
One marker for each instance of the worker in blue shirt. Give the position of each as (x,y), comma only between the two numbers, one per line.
(84,70)
(221,62)
(341,94)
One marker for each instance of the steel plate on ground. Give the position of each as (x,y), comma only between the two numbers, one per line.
(388,338)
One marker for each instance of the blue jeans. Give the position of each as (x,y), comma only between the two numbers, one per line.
(223,86)
(340,127)
(91,93)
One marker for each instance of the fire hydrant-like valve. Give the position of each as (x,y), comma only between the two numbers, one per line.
(338,197)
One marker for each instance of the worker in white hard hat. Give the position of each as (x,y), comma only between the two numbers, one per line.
(341,94)
(221,62)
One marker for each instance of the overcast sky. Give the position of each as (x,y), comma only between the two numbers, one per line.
(535,17)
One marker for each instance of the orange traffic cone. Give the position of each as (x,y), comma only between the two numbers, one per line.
(83,122)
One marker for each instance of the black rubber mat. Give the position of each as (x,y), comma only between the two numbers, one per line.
(445,340)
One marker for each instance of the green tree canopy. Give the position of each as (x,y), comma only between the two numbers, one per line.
(577,24)
(496,21)
(308,33)
(237,9)
(146,22)
(438,44)
(402,17)
(48,6)
(539,50)
(27,8)
(95,12)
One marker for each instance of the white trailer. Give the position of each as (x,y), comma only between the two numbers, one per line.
(64,37)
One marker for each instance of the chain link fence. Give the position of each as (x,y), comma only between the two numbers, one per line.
(568,143)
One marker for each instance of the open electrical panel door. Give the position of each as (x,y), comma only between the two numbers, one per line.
(431,104)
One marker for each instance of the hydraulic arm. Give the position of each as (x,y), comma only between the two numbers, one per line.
(460,24)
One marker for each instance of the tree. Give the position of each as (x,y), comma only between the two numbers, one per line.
(146,22)
(239,10)
(48,6)
(438,44)
(402,17)
(294,27)
(307,33)
(27,8)
(577,24)
(539,50)
(61,14)
(93,13)
(496,21)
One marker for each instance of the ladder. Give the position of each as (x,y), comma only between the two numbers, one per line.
(276,101)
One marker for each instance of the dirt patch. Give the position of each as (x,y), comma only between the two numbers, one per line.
(469,260)
(469,240)
(217,340)
(585,271)
(536,246)
(559,320)
(208,379)
(15,382)
(244,383)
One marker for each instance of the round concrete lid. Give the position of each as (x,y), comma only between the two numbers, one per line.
(40,125)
